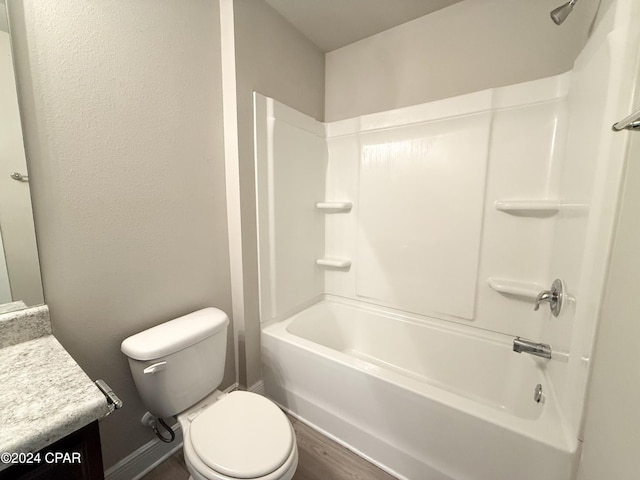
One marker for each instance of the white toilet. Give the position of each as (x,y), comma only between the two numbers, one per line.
(177,367)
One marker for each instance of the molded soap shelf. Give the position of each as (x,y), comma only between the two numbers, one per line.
(334,206)
(334,262)
(528,205)
(514,287)
(547,205)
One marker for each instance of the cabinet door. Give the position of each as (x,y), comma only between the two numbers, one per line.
(74,457)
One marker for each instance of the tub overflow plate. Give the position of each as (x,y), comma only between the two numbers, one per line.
(538,396)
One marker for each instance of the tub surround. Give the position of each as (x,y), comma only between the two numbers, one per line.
(411,277)
(453,158)
(460,391)
(46,395)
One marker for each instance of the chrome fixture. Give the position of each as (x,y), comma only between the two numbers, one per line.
(553,296)
(20,177)
(538,396)
(113,402)
(560,14)
(525,346)
(632,122)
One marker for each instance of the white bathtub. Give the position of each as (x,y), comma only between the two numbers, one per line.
(422,400)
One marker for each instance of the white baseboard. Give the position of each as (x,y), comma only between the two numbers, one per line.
(145,459)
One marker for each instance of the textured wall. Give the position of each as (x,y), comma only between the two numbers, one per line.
(470,46)
(123,126)
(275,60)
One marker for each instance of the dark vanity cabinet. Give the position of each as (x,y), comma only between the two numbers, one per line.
(74,457)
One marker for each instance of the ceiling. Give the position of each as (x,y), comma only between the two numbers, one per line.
(332,24)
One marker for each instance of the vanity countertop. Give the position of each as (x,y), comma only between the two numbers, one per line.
(44,394)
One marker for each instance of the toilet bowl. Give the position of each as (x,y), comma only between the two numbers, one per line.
(177,367)
(242,435)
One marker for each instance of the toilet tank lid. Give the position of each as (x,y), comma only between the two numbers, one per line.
(175,335)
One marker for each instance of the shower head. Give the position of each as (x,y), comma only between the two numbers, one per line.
(560,14)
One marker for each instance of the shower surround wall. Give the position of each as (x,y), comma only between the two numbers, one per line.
(424,233)
(459,210)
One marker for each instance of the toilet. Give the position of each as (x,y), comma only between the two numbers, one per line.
(177,367)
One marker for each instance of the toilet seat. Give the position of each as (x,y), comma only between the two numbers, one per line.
(241,436)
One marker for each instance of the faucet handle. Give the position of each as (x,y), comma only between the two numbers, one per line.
(544,296)
(553,296)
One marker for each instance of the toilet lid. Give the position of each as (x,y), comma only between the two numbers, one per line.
(243,435)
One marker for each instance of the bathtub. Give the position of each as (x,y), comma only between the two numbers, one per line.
(422,400)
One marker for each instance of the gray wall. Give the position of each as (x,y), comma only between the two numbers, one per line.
(123,128)
(274,59)
(469,46)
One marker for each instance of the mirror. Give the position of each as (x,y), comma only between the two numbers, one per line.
(20,281)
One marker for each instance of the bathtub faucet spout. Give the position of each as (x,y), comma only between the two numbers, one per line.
(538,349)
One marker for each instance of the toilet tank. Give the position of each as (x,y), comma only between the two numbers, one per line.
(177,363)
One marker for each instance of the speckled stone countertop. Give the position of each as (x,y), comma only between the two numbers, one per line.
(44,394)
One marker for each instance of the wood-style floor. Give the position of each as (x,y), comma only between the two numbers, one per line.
(319,458)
